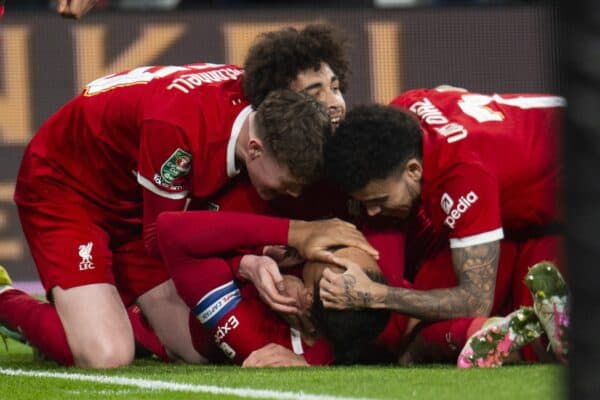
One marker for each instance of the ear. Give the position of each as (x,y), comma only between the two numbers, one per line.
(414,169)
(255,148)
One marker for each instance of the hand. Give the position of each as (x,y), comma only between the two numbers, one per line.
(274,355)
(314,239)
(74,8)
(301,320)
(264,273)
(285,256)
(352,289)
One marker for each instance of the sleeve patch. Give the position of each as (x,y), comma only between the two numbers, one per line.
(177,165)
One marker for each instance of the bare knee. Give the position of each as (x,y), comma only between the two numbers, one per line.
(100,334)
(106,352)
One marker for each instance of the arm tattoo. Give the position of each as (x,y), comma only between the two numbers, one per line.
(475,268)
(354,298)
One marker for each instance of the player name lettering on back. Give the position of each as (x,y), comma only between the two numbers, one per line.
(185,83)
(464,202)
(431,115)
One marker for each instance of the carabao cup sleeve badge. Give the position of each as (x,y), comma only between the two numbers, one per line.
(176,166)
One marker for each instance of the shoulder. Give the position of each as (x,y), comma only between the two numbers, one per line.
(405,99)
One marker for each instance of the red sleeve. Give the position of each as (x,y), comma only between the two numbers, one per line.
(153,206)
(164,160)
(208,233)
(470,206)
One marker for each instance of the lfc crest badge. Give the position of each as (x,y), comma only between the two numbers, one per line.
(176,166)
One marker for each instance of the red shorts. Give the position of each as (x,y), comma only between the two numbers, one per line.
(74,242)
(515,259)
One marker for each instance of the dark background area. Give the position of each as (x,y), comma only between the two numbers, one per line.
(581,70)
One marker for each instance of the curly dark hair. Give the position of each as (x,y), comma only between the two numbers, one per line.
(372,142)
(294,127)
(350,332)
(276,58)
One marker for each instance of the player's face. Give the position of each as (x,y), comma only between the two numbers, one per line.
(394,196)
(271,179)
(324,86)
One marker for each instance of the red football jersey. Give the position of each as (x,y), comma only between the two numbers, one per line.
(491,163)
(170,129)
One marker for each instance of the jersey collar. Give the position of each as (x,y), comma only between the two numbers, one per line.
(235,133)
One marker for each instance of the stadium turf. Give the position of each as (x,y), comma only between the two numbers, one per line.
(22,378)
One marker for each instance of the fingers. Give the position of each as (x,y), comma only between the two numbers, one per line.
(366,247)
(346,223)
(356,239)
(260,358)
(271,355)
(351,236)
(277,302)
(284,256)
(330,301)
(330,291)
(275,252)
(253,360)
(270,274)
(280,286)
(328,278)
(292,258)
(272,288)
(265,275)
(325,256)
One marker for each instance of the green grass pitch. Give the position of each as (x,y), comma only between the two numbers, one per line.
(22,378)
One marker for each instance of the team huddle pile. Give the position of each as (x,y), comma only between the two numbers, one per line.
(212,214)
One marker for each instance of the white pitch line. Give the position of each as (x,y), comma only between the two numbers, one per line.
(175,387)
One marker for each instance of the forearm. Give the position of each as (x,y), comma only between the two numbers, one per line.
(209,233)
(436,304)
(154,205)
(475,268)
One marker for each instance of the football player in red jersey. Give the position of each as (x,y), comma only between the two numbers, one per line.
(312,60)
(481,167)
(82,209)
(208,266)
